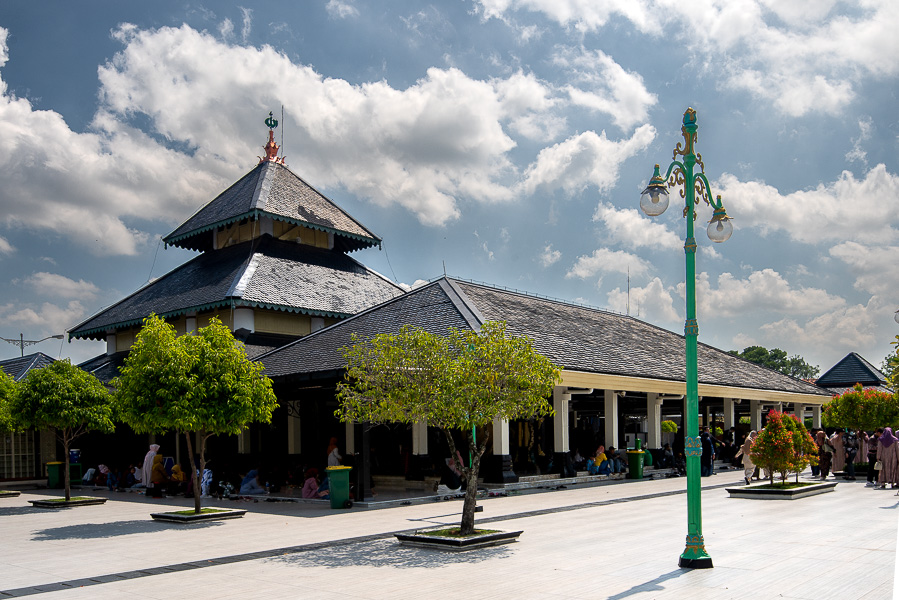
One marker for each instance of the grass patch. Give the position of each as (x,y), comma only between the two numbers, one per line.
(783,486)
(203,511)
(454,532)
(72,499)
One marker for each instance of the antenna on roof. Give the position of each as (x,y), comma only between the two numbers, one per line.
(282,128)
(627,304)
(444,267)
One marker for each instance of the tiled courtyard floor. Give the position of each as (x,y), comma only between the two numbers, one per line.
(616,541)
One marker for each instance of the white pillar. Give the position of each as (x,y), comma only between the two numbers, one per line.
(350,438)
(560,419)
(729,420)
(653,421)
(110,344)
(816,416)
(190,324)
(500,437)
(294,441)
(755,414)
(420,437)
(243,442)
(799,411)
(611,419)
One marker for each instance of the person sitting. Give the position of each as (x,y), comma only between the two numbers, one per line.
(600,464)
(178,480)
(615,461)
(158,478)
(667,460)
(250,484)
(311,484)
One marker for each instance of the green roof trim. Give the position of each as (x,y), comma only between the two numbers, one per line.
(87,333)
(255,214)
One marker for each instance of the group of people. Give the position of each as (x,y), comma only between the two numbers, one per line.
(839,451)
(606,462)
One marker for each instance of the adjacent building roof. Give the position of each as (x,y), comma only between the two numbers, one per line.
(18,368)
(265,273)
(272,190)
(574,337)
(852,369)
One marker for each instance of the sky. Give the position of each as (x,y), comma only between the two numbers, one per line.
(501,141)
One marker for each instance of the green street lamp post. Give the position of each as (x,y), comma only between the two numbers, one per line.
(653,202)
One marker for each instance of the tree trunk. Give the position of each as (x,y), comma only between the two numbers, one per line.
(471,477)
(194,476)
(66,477)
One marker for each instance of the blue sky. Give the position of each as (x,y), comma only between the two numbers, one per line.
(505,141)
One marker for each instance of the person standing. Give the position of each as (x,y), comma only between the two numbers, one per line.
(872,442)
(147,467)
(839,451)
(745,451)
(708,453)
(888,455)
(850,443)
(825,453)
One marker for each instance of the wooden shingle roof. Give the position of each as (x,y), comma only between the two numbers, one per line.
(272,190)
(574,337)
(852,369)
(18,368)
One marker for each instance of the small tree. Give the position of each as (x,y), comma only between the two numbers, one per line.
(65,399)
(862,409)
(784,446)
(669,426)
(461,381)
(7,389)
(199,383)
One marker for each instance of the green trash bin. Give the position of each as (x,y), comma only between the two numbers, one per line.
(55,475)
(635,463)
(339,486)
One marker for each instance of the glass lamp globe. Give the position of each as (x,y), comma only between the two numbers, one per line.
(896,316)
(720,228)
(654,200)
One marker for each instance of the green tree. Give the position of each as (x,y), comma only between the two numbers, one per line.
(460,381)
(890,366)
(7,389)
(784,446)
(201,384)
(777,359)
(669,426)
(859,408)
(65,399)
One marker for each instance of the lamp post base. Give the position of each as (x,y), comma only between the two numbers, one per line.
(695,563)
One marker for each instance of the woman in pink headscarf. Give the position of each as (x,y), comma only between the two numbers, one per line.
(147,468)
(888,455)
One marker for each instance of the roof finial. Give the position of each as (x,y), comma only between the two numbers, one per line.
(271,148)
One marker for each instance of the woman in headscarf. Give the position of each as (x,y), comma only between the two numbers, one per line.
(158,478)
(745,450)
(888,455)
(839,451)
(250,484)
(334,456)
(825,453)
(147,468)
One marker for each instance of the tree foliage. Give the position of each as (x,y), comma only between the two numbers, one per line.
(890,366)
(859,408)
(65,399)
(777,359)
(462,380)
(784,446)
(199,383)
(669,426)
(7,389)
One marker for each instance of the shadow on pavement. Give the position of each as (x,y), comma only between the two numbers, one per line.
(87,531)
(389,553)
(649,586)
(12,511)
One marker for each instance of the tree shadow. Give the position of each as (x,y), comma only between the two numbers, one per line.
(13,511)
(87,531)
(389,553)
(896,505)
(649,586)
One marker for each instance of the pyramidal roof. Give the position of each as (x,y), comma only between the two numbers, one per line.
(18,368)
(272,190)
(850,370)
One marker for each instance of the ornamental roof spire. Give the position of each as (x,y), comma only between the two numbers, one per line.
(271,148)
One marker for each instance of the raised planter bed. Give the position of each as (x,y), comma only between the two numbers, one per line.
(189,516)
(422,539)
(759,492)
(61,502)
(8,494)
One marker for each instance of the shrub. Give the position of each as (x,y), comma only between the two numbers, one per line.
(669,427)
(784,446)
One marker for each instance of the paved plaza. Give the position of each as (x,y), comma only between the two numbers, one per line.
(616,540)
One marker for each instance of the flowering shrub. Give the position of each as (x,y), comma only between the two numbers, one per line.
(784,446)
(862,409)
(669,427)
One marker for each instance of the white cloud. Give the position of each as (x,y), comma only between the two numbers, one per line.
(858,153)
(247,19)
(487,251)
(628,227)
(605,86)
(52,284)
(652,303)
(875,268)
(48,318)
(801,56)
(341,9)
(604,260)
(847,209)
(527,104)
(5,246)
(763,291)
(549,256)
(584,159)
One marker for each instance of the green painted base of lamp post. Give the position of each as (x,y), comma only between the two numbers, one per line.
(695,556)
